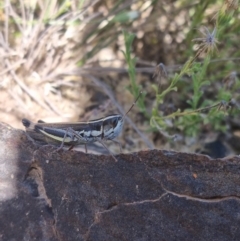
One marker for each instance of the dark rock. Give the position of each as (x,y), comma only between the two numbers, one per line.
(22,215)
(150,195)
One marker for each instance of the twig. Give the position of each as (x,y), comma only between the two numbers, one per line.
(17,99)
(14,66)
(174,137)
(52,107)
(7,3)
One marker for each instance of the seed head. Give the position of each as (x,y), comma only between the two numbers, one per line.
(207,44)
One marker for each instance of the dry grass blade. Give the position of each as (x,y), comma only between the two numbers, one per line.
(42,46)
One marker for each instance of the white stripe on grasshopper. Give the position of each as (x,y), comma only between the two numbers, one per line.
(95,133)
(58,138)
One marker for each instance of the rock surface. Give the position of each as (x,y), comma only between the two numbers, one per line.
(150,195)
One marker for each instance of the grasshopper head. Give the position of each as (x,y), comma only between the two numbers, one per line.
(112,126)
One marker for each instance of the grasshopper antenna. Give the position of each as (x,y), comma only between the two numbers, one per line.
(134,103)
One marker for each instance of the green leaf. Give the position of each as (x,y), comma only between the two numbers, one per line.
(124,17)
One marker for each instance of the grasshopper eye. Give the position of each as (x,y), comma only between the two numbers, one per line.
(115,122)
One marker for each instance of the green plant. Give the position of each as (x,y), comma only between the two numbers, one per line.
(201,110)
(131,61)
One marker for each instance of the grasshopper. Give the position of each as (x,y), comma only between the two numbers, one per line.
(78,133)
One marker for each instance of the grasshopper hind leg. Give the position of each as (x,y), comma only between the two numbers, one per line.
(62,144)
(119,144)
(71,147)
(108,150)
(68,130)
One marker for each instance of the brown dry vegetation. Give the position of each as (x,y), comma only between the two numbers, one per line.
(62,61)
